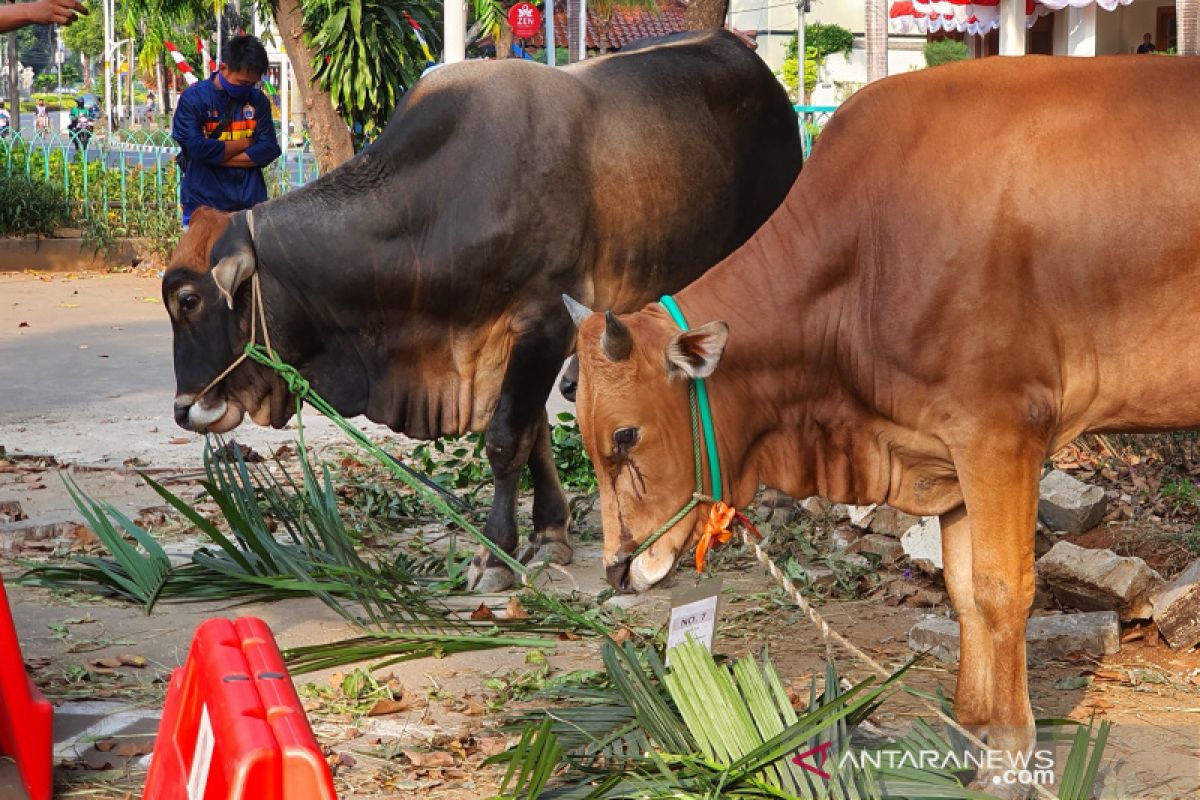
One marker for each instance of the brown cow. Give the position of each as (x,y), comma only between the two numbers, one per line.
(979,263)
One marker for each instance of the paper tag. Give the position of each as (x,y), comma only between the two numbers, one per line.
(694,612)
(202,758)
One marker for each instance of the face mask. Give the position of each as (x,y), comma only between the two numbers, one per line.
(233,90)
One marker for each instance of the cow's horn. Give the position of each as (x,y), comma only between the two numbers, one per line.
(616,341)
(578,311)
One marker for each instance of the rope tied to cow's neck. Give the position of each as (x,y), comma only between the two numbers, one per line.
(718,529)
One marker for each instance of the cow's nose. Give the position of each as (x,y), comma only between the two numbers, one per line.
(183,407)
(618,575)
(567,387)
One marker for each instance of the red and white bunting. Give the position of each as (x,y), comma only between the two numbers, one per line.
(181,63)
(976,17)
(205,58)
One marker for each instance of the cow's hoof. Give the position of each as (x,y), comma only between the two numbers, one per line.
(489,580)
(553,552)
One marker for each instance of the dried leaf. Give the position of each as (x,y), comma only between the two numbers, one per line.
(435,760)
(384,707)
(132,749)
(515,610)
(128,660)
(491,745)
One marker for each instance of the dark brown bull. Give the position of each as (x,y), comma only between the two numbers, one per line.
(419,283)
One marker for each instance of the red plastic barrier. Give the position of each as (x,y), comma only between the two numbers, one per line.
(26,718)
(233,727)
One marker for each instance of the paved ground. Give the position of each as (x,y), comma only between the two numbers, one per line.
(85,371)
(85,362)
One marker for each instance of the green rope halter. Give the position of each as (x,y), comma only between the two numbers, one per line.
(702,432)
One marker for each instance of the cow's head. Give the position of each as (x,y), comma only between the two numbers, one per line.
(633,413)
(214,259)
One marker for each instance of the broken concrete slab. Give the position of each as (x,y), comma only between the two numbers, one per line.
(892,522)
(1053,638)
(923,541)
(54,527)
(1177,609)
(860,516)
(11,511)
(1100,580)
(843,538)
(817,506)
(818,576)
(888,549)
(1067,504)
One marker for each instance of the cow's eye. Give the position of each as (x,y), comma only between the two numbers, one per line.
(625,438)
(189,302)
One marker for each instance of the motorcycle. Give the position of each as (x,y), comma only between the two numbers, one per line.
(80,129)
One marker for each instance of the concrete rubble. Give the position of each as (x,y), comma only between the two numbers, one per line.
(1067,504)
(1177,609)
(1051,638)
(1100,580)
(888,549)
(53,528)
(922,543)
(891,522)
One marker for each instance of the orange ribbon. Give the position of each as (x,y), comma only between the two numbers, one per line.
(716,531)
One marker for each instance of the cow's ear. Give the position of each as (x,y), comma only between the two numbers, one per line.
(695,353)
(232,271)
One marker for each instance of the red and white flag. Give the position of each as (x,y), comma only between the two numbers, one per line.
(181,63)
(205,58)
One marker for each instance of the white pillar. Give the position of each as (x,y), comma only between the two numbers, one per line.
(454,32)
(108,37)
(285,99)
(1012,27)
(1081,30)
(549,39)
(583,29)
(132,83)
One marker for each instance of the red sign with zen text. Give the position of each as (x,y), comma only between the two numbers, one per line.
(525,20)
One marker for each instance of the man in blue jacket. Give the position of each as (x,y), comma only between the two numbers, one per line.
(223,126)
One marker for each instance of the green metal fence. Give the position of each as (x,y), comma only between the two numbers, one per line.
(812,122)
(134,171)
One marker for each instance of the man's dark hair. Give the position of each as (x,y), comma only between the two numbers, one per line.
(245,54)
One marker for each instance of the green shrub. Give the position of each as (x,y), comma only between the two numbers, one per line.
(944,51)
(31,206)
(791,77)
(828,39)
(824,40)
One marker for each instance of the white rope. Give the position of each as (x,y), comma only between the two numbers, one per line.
(829,635)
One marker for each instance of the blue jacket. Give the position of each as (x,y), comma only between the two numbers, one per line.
(205,181)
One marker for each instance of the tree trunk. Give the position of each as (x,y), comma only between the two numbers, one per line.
(504,40)
(87,72)
(877,39)
(1188,20)
(164,91)
(330,136)
(14,82)
(701,14)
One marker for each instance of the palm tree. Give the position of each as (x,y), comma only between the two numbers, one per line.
(877,39)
